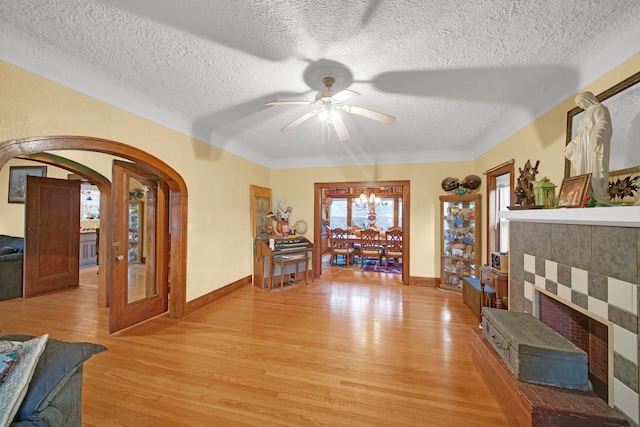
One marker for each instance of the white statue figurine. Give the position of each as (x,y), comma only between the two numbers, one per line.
(588,151)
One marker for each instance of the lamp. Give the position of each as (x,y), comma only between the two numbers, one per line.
(545,193)
(370,202)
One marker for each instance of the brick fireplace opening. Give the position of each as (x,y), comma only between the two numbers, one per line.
(585,332)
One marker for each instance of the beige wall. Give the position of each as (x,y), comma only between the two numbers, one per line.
(12,214)
(544,139)
(425,182)
(219,250)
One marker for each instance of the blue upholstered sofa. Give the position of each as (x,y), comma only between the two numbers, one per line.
(54,394)
(11,257)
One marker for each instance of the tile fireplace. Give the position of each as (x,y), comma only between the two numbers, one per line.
(582,266)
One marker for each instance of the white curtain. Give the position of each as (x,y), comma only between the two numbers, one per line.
(503,196)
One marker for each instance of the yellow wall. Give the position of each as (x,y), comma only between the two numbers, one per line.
(425,182)
(545,138)
(12,214)
(219,249)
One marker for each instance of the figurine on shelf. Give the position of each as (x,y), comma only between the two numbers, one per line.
(588,151)
(524,194)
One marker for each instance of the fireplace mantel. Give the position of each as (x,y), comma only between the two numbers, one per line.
(619,216)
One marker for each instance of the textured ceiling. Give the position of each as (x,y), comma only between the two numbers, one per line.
(459,75)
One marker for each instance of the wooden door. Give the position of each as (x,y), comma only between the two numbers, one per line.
(139,290)
(52,235)
(260,205)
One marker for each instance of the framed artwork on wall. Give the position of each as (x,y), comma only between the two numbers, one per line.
(18,181)
(573,190)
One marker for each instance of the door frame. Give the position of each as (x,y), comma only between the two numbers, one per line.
(104,186)
(406,228)
(178,198)
(492,174)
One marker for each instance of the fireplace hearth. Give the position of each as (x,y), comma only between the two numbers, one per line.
(587,260)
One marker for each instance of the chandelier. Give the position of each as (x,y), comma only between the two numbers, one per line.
(370,202)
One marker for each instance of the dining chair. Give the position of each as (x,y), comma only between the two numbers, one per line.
(370,246)
(354,232)
(393,247)
(341,245)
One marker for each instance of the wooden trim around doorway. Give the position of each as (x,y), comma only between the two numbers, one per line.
(406,226)
(178,203)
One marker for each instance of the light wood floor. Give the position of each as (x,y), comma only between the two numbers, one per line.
(351,349)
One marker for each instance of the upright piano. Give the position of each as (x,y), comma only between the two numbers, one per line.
(264,255)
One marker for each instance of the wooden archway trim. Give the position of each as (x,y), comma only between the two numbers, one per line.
(406,225)
(178,194)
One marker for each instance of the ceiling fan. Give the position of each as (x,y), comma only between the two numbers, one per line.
(330,103)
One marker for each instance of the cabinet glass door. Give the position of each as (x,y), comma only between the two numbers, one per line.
(135,232)
(460,232)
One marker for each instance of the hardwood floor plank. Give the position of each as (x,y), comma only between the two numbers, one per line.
(350,349)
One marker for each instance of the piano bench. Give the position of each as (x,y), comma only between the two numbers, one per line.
(283,262)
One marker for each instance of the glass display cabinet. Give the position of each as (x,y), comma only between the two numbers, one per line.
(135,231)
(460,239)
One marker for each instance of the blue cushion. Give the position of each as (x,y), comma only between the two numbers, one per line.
(14,242)
(475,282)
(5,250)
(59,358)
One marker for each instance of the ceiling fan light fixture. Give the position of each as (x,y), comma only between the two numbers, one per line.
(329,102)
(327,112)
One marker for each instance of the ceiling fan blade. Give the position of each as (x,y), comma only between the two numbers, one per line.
(338,124)
(344,94)
(297,121)
(289,103)
(370,114)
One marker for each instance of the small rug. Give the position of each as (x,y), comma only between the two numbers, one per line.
(370,265)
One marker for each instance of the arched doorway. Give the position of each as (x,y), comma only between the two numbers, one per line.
(177,200)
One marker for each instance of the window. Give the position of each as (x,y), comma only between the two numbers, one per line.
(384,214)
(338,214)
(350,211)
(359,216)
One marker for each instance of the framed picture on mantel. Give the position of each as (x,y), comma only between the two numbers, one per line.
(573,190)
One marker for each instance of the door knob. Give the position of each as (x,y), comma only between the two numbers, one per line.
(119,258)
